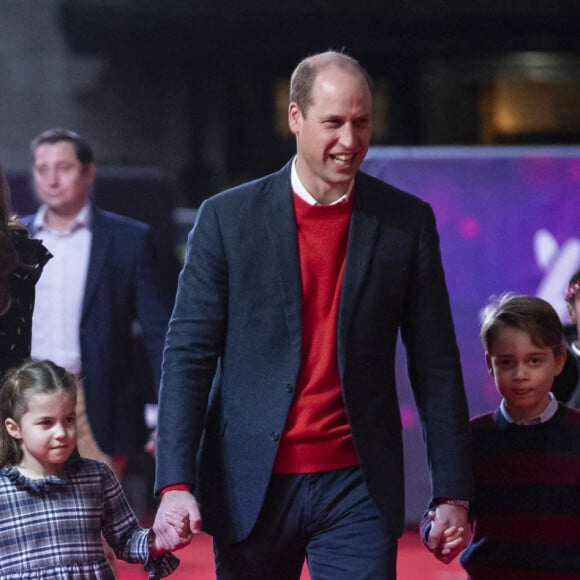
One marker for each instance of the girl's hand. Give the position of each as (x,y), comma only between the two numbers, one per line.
(179,519)
(177,507)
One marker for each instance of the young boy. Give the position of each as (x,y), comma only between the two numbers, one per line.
(525,517)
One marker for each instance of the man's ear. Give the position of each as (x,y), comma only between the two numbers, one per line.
(294,118)
(90,172)
(13,428)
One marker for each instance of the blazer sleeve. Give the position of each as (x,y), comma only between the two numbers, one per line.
(194,343)
(434,369)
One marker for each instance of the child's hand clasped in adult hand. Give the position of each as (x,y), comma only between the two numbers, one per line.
(179,519)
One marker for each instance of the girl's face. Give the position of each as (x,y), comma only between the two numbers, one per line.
(47,432)
(523,372)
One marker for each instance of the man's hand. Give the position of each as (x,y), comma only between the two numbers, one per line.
(449,533)
(177,520)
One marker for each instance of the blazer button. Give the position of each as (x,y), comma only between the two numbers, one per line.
(275,437)
(290,389)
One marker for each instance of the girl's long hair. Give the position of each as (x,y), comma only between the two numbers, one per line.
(20,383)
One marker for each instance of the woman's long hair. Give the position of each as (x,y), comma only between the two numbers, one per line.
(9,259)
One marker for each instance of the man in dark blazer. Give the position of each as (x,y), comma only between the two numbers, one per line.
(103,290)
(278,407)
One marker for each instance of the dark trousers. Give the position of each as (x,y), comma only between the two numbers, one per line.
(327,517)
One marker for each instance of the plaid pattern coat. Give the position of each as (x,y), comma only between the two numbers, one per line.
(51,527)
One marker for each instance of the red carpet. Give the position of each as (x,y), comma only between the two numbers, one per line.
(415,563)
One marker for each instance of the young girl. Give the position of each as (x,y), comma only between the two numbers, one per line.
(54,505)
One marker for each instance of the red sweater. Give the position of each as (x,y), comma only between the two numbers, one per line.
(317,435)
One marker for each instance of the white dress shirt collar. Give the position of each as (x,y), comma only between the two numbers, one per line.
(305,195)
(82,219)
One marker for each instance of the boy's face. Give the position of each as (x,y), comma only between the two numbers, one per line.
(523,372)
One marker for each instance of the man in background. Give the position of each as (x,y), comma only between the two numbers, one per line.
(103,288)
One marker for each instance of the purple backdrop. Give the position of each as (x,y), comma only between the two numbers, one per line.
(509,219)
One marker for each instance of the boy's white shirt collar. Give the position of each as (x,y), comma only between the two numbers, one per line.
(546,414)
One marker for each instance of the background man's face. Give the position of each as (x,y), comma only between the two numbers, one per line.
(62,182)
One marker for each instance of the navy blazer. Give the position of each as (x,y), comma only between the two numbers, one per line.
(233,350)
(124,293)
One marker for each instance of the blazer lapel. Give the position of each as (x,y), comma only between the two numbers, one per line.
(361,241)
(281,226)
(97,259)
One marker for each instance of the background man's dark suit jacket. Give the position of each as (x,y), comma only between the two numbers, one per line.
(238,307)
(123,286)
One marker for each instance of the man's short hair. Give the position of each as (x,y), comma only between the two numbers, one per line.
(83,150)
(305,73)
